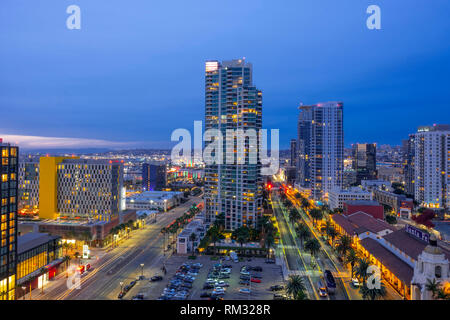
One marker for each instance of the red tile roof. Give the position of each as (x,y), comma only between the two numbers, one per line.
(360,222)
(409,244)
(398,267)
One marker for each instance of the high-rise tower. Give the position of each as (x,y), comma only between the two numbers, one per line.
(232,102)
(320,148)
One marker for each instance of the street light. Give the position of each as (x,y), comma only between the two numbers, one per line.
(121,286)
(142,269)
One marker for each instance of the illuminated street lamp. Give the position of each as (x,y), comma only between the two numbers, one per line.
(121,286)
(142,270)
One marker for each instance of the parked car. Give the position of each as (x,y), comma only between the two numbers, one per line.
(156,278)
(255,280)
(278,296)
(205,295)
(276,288)
(245,290)
(208,286)
(218,292)
(244,282)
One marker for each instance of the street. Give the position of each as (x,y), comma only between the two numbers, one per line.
(121,264)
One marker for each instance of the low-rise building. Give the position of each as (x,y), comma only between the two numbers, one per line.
(186,242)
(407,258)
(39,259)
(337,197)
(154,200)
(367,206)
(393,200)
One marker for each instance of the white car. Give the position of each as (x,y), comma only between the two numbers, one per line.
(355,282)
(218,291)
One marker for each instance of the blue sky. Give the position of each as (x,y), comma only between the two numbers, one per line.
(135,70)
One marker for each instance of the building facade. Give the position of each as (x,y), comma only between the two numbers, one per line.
(432,166)
(232,103)
(293,153)
(338,197)
(409,165)
(8,247)
(28,185)
(80,189)
(320,148)
(365,161)
(154,177)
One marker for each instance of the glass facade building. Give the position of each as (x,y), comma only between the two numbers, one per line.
(231,103)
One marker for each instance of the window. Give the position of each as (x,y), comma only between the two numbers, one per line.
(438,272)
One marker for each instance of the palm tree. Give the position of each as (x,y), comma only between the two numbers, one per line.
(344,244)
(433,286)
(313,246)
(326,228)
(301,296)
(352,258)
(361,269)
(294,215)
(305,204)
(269,241)
(303,233)
(372,293)
(332,233)
(192,238)
(316,214)
(295,285)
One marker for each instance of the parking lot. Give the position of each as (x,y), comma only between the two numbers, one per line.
(225,273)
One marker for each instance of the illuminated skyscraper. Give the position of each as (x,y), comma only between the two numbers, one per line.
(365,161)
(154,177)
(320,148)
(232,102)
(8,246)
(432,166)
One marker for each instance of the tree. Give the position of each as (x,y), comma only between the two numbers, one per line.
(220,221)
(391,219)
(305,204)
(361,269)
(372,293)
(332,233)
(327,228)
(352,258)
(241,235)
(269,241)
(294,215)
(192,238)
(303,233)
(316,214)
(294,286)
(433,286)
(313,246)
(344,244)
(425,218)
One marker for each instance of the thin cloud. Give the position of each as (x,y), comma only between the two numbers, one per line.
(38,142)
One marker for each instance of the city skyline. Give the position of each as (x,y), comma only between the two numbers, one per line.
(78,85)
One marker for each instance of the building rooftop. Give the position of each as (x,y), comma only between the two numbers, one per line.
(31,240)
(394,264)
(362,203)
(409,244)
(360,222)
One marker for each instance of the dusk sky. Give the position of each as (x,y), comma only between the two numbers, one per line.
(135,70)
